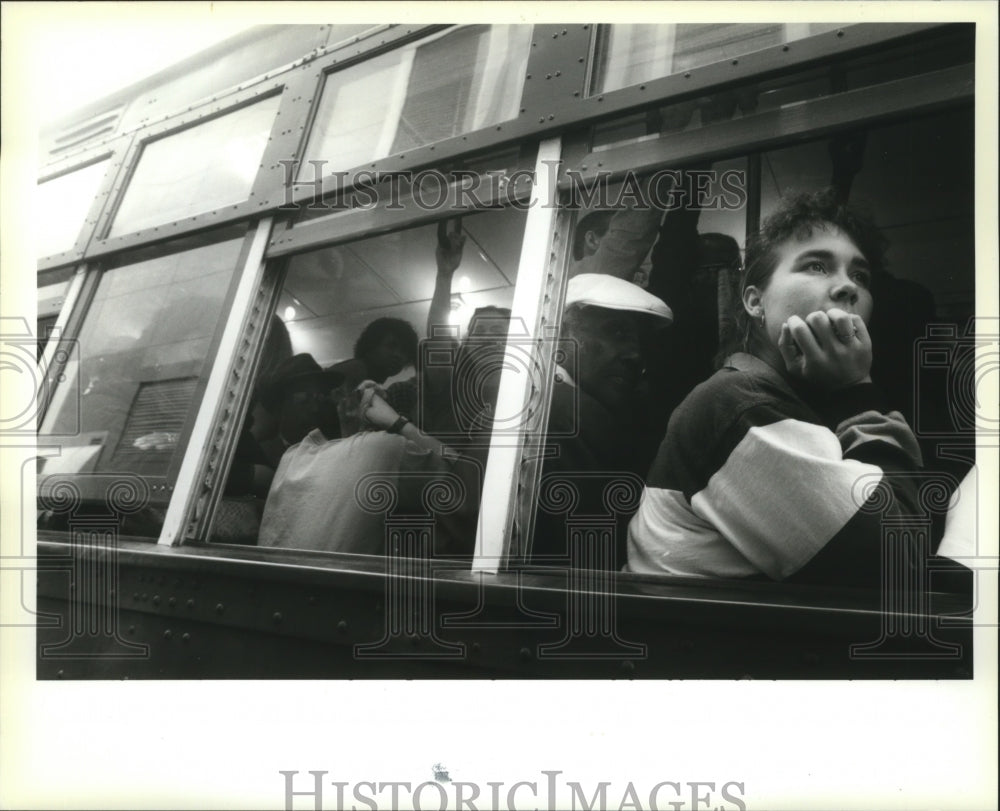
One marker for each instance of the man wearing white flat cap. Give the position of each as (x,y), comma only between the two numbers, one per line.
(597,413)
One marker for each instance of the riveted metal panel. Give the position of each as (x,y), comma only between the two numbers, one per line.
(557,73)
(365,222)
(204,612)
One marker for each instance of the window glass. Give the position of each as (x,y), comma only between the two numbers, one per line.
(414,321)
(63,204)
(131,384)
(198,169)
(52,289)
(756,96)
(629,54)
(464,80)
(681,498)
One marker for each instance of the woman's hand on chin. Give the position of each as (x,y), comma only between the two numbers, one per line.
(829,350)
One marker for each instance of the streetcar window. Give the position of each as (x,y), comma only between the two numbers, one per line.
(457,82)
(63,205)
(132,385)
(198,169)
(415,322)
(629,54)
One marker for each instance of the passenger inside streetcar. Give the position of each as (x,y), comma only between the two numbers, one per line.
(598,418)
(416,424)
(775,467)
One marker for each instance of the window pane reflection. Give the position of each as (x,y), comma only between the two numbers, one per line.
(63,204)
(130,386)
(629,54)
(416,319)
(464,80)
(197,170)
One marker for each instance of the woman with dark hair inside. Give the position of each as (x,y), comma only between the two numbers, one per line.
(385,347)
(769,468)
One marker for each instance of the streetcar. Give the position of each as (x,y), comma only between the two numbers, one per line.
(273,196)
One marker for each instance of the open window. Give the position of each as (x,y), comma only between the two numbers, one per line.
(125,395)
(416,318)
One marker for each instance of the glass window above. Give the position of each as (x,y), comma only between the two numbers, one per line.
(629,54)
(462,80)
(198,169)
(63,204)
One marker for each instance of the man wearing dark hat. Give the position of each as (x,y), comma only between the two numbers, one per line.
(298,395)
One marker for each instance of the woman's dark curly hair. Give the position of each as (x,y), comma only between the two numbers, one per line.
(376,332)
(797,218)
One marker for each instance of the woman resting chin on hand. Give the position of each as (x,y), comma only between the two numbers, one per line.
(770,467)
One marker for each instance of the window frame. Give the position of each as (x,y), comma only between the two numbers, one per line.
(73,316)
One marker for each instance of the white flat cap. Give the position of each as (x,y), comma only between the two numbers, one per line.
(612,293)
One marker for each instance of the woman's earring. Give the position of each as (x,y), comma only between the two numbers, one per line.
(760,319)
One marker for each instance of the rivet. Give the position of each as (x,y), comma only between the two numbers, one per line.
(172,601)
(736,61)
(476,648)
(414,640)
(525,655)
(131,629)
(342,626)
(628,666)
(311,599)
(168,634)
(144,597)
(558,73)
(580,60)
(219,608)
(186,638)
(156,599)
(551,116)
(277,616)
(135,595)
(687,75)
(840,33)
(59,673)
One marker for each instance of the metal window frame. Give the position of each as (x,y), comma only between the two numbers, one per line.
(74,315)
(103,245)
(561,55)
(216,411)
(913,95)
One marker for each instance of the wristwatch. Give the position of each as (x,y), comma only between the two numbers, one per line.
(397,426)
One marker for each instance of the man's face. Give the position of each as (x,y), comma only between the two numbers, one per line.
(608,360)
